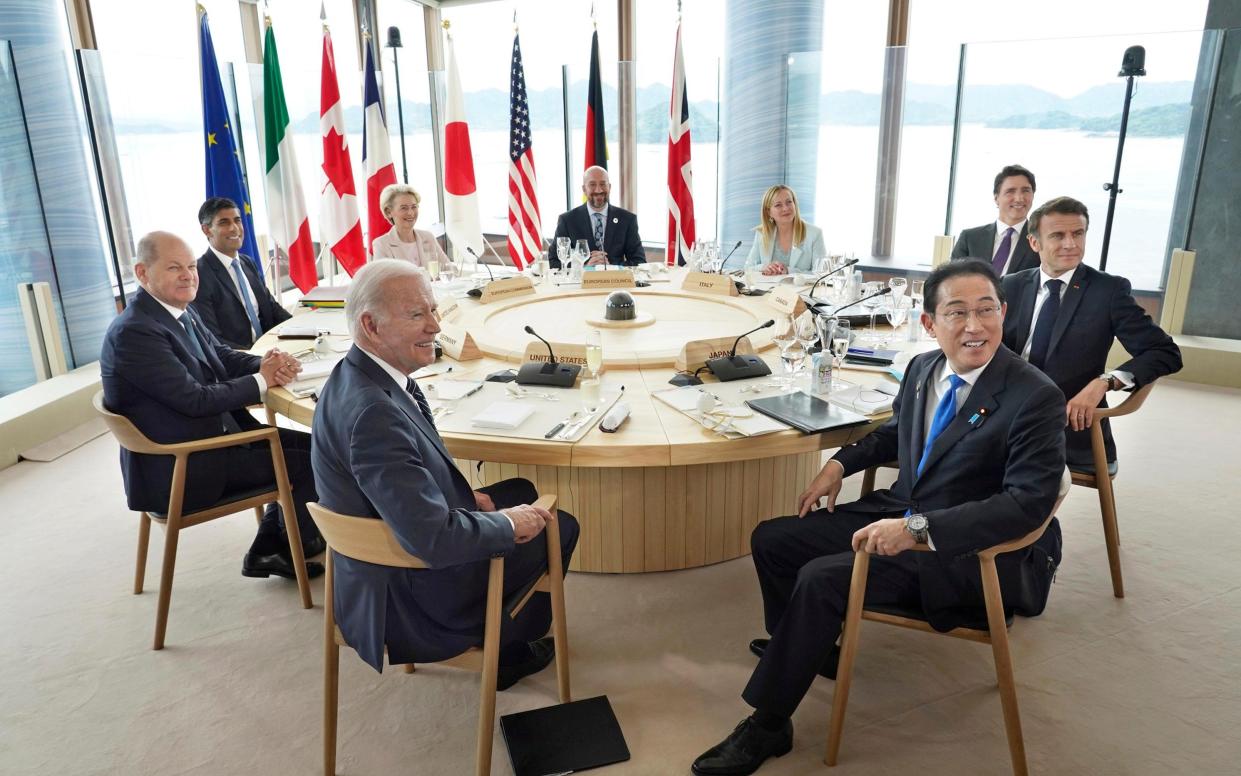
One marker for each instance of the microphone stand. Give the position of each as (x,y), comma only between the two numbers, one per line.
(1129,70)
(552,373)
(825,276)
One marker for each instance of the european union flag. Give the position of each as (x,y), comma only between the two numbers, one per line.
(223,161)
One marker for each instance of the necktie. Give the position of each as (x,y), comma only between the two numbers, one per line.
(1040,340)
(195,345)
(945,411)
(598,230)
(1001,253)
(420,398)
(243,288)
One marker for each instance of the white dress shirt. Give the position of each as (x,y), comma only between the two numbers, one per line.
(1000,229)
(244,289)
(176,314)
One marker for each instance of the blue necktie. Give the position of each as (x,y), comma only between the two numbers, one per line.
(1001,254)
(420,399)
(195,346)
(1040,340)
(945,411)
(598,230)
(243,288)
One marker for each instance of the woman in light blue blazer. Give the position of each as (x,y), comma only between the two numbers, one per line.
(784,243)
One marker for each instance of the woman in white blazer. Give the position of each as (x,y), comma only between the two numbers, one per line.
(784,243)
(399,203)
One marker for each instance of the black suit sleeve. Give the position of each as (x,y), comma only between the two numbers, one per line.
(145,353)
(634,252)
(207,304)
(960,250)
(1153,352)
(236,361)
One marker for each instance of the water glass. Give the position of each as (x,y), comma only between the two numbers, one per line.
(594,351)
(841,334)
(433,269)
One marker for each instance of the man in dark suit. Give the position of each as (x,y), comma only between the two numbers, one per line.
(232,299)
(610,231)
(166,372)
(1003,242)
(977,434)
(1068,334)
(377,453)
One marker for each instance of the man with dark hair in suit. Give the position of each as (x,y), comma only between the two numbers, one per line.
(977,433)
(232,300)
(610,231)
(1064,316)
(377,454)
(1003,242)
(167,373)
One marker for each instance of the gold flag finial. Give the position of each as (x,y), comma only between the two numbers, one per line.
(198,9)
(446,24)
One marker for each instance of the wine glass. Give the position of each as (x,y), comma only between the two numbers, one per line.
(897,312)
(841,335)
(872,305)
(433,269)
(594,351)
(806,332)
(563,247)
(581,252)
(448,272)
(785,339)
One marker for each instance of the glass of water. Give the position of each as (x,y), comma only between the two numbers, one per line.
(842,332)
(594,351)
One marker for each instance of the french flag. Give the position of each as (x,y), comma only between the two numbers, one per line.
(376,152)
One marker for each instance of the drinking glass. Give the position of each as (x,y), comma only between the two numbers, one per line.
(897,312)
(563,246)
(898,286)
(806,332)
(433,269)
(591,395)
(594,351)
(872,306)
(449,271)
(841,334)
(915,292)
(785,339)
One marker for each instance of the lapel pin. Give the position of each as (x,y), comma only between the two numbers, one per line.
(615,220)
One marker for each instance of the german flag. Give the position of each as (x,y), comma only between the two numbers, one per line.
(596,140)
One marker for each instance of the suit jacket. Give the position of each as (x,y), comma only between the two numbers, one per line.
(620,235)
(389,246)
(151,376)
(375,455)
(221,308)
(801,257)
(1095,307)
(992,476)
(979,243)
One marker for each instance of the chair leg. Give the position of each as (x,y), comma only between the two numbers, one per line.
(560,629)
(331,674)
(868,482)
(258,515)
(409,668)
(171,535)
(848,651)
(290,522)
(491,667)
(1107,507)
(144,540)
(1003,666)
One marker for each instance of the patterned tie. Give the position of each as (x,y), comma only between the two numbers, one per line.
(598,230)
(1001,253)
(1040,340)
(945,411)
(243,288)
(412,388)
(195,345)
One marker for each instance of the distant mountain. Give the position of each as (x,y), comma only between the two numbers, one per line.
(1159,121)
(653,124)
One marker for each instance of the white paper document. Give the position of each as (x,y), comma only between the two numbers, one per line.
(502,414)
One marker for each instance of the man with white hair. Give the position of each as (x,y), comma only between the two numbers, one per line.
(610,231)
(376,453)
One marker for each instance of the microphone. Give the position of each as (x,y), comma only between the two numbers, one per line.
(825,276)
(724,263)
(735,367)
(551,373)
(880,292)
(477,260)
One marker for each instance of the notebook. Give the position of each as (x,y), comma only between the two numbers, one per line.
(565,738)
(806,413)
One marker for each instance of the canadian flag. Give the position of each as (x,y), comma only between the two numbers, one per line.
(376,153)
(460,194)
(339,225)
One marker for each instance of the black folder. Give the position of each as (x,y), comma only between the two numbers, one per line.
(565,738)
(806,413)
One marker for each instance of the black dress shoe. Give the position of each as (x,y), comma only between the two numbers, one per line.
(744,750)
(313,547)
(828,669)
(541,653)
(255,565)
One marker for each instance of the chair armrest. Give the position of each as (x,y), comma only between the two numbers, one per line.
(1131,404)
(213,443)
(547,502)
(1017,544)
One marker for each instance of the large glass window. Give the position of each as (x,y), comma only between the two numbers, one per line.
(415,100)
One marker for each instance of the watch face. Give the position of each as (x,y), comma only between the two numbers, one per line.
(917,522)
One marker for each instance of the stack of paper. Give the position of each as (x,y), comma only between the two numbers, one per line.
(502,414)
(867,401)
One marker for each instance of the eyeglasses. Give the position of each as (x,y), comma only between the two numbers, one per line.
(958,317)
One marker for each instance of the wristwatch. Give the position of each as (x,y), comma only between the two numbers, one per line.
(1113,384)
(917,525)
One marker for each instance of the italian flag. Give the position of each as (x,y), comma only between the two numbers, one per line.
(286,205)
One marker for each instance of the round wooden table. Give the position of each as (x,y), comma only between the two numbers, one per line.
(663,492)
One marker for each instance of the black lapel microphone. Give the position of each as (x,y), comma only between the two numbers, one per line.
(825,276)
(880,292)
(735,367)
(551,373)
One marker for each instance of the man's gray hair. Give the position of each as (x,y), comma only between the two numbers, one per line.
(150,244)
(366,293)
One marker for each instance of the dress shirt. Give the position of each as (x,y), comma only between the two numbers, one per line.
(399,380)
(1125,378)
(177,312)
(243,290)
(1000,229)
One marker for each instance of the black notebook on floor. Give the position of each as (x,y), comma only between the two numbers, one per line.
(565,738)
(806,413)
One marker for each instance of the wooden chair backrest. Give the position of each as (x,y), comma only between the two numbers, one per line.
(366,539)
(126,433)
(1132,403)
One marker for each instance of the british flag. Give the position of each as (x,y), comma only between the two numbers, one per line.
(525,230)
(680,175)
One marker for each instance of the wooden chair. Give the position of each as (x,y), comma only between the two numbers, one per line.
(868,477)
(1107,497)
(174,520)
(994,633)
(370,540)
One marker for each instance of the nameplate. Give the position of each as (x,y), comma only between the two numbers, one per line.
(709,284)
(449,310)
(785,299)
(608,278)
(566,353)
(508,288)
(698,352)
(457,343)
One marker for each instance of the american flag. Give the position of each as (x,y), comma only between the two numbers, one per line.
(680,176)
(525,230)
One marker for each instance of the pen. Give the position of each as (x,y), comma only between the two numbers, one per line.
(474,390)
(555,430)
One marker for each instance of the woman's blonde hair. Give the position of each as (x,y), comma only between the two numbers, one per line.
(391,192)
(767,224)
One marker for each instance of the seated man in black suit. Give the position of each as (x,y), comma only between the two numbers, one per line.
(166,372)
(976,431)
(1069,334)
(232,299)
(610,231)
(1003,242)
(377,454)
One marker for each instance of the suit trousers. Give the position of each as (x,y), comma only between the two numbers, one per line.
(804,568)
(249,467)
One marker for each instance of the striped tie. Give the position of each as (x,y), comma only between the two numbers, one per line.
(420,398)
(599,231)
